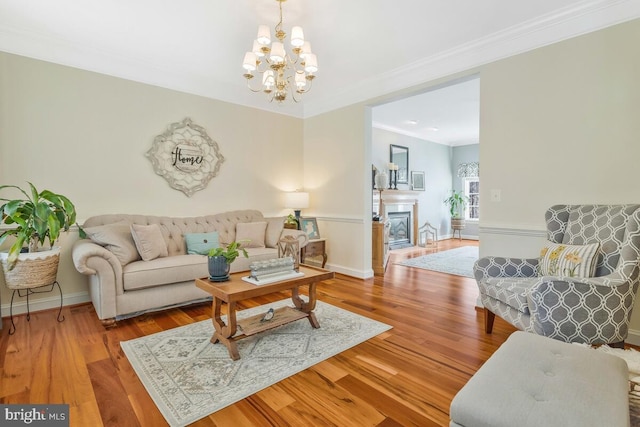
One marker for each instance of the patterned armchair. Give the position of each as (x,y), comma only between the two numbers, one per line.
(593,310)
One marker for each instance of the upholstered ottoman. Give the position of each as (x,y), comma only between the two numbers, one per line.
(536,381)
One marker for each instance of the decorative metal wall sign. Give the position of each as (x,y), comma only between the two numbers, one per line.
(185,156)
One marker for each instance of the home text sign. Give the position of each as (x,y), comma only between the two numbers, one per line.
(185,156)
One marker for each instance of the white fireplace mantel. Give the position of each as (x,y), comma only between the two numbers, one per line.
(397,201)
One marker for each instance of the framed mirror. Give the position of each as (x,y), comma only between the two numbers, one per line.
(399,156)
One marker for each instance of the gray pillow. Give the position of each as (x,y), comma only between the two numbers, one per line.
(274,230)
(149,241)
(117,239)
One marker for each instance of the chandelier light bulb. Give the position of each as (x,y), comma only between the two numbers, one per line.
(297,37)
(264,35)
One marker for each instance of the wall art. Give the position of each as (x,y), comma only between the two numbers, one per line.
(185,156)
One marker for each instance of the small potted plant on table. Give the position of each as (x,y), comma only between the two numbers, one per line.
(220,260)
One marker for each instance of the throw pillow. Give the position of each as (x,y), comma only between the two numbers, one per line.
(201,243)
(251,234)
(117,239)
(149,241)
(557,259)
(274,231)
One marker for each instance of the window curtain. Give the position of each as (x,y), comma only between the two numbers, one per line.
(469,170)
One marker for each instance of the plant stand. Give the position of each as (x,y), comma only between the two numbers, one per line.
(457,225)
(30,291)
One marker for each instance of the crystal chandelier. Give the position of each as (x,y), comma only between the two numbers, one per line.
(281,72)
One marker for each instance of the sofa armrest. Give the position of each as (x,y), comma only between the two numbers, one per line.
(595,310)
(505,267)
(298,234)
(90,258)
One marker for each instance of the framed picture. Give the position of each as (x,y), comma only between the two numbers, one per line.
(310,226)
(417,180)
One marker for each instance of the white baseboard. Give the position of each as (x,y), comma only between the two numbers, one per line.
(633,337)
(53,301)
(360,274)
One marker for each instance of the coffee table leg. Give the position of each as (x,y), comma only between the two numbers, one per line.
(224,332)
(306,307)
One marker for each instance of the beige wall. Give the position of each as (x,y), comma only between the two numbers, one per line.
(337,149)
(559,124)
(85,135)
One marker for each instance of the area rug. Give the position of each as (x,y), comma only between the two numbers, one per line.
(189,378)
(457,261)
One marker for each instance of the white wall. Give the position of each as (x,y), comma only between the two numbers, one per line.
(85,135)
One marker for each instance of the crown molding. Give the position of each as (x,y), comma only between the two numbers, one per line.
(33,44)
(563,24)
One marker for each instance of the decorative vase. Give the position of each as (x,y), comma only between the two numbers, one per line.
(218,269)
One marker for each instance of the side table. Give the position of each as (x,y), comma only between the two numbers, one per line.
(315,247)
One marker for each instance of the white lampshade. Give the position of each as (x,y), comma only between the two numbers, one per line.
(296,200)
(264,35)
(297,37)
(249,62)
(301,81)
(311,63)
(277,52)
(268,80)
(306,50)
(257,49)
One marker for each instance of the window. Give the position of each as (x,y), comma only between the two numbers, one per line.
(472,191)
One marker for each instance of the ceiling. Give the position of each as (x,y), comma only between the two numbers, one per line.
(366,48)
(449,115)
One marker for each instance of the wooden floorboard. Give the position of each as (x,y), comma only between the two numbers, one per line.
(406,376)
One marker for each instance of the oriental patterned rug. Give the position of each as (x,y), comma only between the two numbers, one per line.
(189,378)
(457,261)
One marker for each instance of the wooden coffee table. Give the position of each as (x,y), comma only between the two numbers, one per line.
(236,289)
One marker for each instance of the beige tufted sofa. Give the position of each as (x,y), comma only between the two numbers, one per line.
(124,289)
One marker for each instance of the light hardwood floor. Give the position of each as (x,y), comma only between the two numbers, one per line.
(404,377)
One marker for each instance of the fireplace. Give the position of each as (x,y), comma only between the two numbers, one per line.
(399,229)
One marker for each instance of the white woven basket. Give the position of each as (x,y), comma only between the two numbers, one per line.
(32,269)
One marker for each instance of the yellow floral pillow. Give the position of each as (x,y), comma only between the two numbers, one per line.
(557,259)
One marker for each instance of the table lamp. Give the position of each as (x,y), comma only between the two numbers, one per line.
(296,200)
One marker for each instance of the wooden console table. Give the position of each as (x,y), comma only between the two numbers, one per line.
(236,289)
(379,246)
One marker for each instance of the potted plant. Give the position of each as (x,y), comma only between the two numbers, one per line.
(220,260)
(291,222)
(34,219)
(456,202)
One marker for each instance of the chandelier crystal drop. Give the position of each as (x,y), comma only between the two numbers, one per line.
(282,73)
